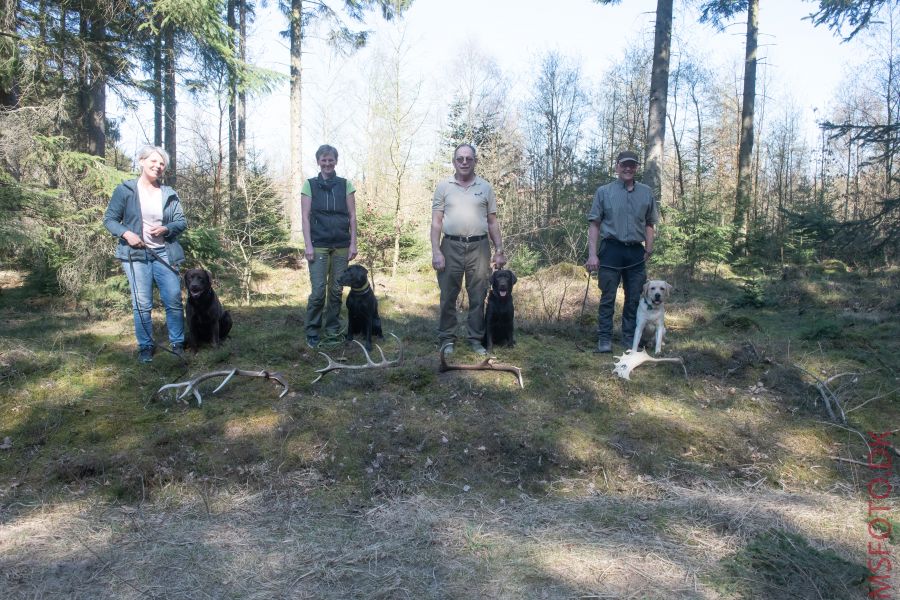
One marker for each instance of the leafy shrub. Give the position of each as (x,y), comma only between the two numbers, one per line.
(753,295)
(524,260)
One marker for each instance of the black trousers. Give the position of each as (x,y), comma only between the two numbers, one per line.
(623,263)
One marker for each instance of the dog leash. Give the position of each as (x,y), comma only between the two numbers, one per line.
(160,259)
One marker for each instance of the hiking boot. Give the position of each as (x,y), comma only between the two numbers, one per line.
(479,349)
(603,346)
(312,341)
(178,349)
(447,348)
(145,355)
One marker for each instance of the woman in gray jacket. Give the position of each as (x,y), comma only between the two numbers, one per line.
(147,218)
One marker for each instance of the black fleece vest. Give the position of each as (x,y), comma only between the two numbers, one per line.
(329,218)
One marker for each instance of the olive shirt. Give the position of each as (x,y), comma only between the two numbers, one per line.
(624,215)
(465,209)
(307,188)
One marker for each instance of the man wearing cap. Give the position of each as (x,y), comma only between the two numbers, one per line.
(464,210)
(623,217)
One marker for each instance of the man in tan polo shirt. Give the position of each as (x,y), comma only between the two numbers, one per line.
(464,210)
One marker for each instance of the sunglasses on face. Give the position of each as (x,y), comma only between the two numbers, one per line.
(465,159)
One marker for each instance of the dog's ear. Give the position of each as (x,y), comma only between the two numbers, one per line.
(184,277)
(646,288)
(513,280)
(669,288)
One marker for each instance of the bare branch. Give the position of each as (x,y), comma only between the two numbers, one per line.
(828,396)
(191,386)
(487,364)
(370,364)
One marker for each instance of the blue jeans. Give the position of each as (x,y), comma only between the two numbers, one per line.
(141,274)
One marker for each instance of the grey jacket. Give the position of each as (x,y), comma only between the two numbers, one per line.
(124,214)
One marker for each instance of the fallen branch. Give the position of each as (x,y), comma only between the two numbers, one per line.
(191,386)
(487,364)
(827,395)
(629,361)
(333,365)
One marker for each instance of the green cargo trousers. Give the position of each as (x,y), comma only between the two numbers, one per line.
(471,260)
(325,294)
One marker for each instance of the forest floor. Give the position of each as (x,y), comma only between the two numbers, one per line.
(408,483)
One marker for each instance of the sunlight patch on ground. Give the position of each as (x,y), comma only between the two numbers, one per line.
(256,425)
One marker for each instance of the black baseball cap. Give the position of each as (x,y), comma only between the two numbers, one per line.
(627,156)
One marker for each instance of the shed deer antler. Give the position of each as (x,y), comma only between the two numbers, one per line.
(487,364)
(191,386)
(333,365)
(629,361)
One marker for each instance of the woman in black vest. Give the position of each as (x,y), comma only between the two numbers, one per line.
(328,203)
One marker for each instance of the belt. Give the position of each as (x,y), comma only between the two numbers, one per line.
(463,238)
(609,239)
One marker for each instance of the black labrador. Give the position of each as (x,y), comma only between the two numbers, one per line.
(362,306)
(500,315)
(207,320)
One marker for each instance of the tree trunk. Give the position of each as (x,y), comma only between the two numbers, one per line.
(241,108)
(232,114)
(745,152)
(157,90)
(659,92)
(95,116)
(293,202)
(170,104)
(9,88)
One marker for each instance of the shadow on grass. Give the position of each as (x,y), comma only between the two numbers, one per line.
(82,423)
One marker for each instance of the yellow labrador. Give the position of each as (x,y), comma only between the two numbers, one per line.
(651,312)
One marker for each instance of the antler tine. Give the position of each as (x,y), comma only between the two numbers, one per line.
(331,366)
(191,386)
(369,361)
(629,361)
(370,364)
(226,380)
(487,364)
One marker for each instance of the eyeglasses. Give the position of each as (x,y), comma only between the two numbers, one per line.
(464,159)
(628,165)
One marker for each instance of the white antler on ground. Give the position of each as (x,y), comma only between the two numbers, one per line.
(629,361)
(191,386)
(333,365)
(487,364)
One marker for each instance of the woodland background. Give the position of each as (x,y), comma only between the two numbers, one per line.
(747,478)
(738,180)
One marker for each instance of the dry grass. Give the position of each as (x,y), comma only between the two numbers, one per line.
(200,540)
(411,484)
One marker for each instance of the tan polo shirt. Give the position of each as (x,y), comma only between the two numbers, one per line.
(465,209)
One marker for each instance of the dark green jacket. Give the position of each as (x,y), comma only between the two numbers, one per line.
(124,214)
(329,219)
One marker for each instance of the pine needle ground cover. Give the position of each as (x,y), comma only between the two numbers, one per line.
(409,483)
